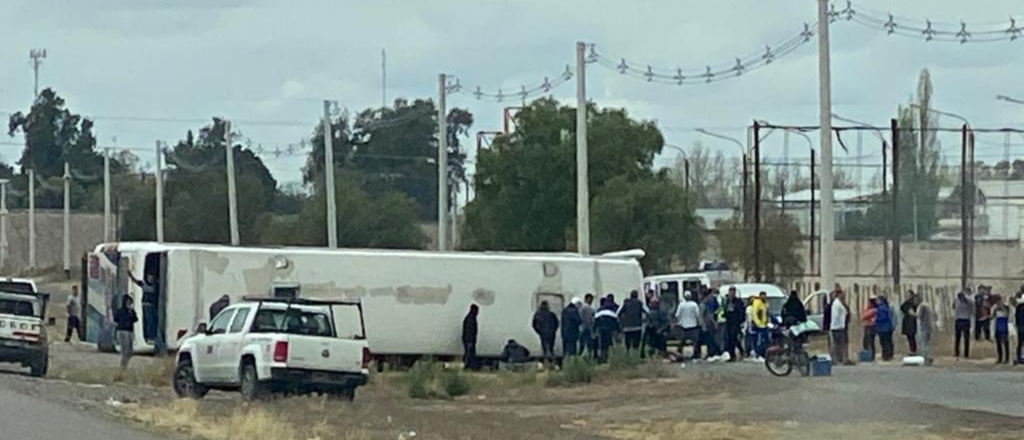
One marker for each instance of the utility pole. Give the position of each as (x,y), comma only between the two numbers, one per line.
(159,176)
(67,220)
(332,208)
(106,195)
(974,202)
(828,235)
(37,56)
(582,173)
(757,202)
(383,79)
(3,222)
(810,240)
(31,219)
(896,232)
(442,163)
(686,177)
(232,201)
(963,209)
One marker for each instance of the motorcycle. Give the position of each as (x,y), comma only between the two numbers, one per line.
(785,350)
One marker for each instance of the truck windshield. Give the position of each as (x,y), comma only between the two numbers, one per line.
(16,307)
(292,321)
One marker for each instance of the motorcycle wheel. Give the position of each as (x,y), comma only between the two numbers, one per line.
(778,363)
(803,363)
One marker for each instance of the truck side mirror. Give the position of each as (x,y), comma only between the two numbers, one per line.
(201,328)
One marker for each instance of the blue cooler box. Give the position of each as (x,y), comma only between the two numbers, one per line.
(821,367)
(864,356)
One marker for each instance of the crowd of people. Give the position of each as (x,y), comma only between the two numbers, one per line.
(719,327)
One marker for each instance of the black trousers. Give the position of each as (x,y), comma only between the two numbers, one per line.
(963,332)
(74,325)
(605,340)
(982,327)
(885,340)
(912,342)
(869,341)
(547,346)
(569,345)
(469,355)
(633,339)
(732,341)
(1020,342)
(1003,348)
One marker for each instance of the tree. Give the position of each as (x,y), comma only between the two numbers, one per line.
(920,175)
(779,248)
(525,188)
(713,178)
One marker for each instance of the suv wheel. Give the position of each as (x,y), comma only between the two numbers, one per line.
(184,381)
(251,387)
(40,366)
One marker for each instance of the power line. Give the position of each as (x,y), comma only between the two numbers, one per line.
(927,29)
(523,93)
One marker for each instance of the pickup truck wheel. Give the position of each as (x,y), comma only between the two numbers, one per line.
(251,388)
(39,367)
(346,394)
(184,382)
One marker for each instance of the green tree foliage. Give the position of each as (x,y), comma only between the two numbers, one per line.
(779,247)
(525,188)
(920,175)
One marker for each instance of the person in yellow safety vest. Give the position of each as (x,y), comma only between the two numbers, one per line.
(760,321)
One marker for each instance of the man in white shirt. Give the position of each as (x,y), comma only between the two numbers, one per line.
(688,321)
(839,317)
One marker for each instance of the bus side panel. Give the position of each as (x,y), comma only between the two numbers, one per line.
(102,279)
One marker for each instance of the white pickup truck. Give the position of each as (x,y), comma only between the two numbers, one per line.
(22,333)
(264,345)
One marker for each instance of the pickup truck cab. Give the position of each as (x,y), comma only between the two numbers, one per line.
(22,333)
(261,346)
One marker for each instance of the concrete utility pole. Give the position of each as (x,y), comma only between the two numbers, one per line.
(582,174)
(159,175)
(106,195)
(828,233)
(442,164)
(232,201)
(3,222)
(31,219)
(67,219)
(332,215)
(37,56)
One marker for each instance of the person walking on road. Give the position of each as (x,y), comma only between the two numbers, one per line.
(571,323)
(735,314)
(73,308)
(839,319)
(545,323)
(884,327)
(1001,314)
(688,320)
(631,318)
(926,321)
(606,323)
(125,319)
(963,308)
(909,324)
(867,323)
(470,329)
(587,334)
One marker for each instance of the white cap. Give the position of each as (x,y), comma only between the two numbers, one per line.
(687,294)
(576,300)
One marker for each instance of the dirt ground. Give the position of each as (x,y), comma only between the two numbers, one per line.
(703,401)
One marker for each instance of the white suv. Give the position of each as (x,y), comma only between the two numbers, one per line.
(22,333)
(268,345)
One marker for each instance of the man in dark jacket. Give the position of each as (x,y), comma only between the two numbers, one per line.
(571,323)
(631,319)
(606,323)
(470,329)
(218,306)
(545,323)
(735,315)
(909,325)
(1019,322)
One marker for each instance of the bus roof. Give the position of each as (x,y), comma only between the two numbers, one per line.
(150,247)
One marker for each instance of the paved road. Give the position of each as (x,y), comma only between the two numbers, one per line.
(26,417)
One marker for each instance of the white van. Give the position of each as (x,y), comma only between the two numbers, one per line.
(776,296)
(669,288)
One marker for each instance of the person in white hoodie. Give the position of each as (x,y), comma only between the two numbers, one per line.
(839,319)
(688,319)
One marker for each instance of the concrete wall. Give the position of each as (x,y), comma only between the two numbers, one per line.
(86,233)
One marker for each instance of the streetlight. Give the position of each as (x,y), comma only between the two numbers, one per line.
(686,167)
(1009,99)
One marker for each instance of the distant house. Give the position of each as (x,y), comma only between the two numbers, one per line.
(847,203)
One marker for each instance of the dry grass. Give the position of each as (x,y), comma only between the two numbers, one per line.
(152,372)
(249,423)
(787,430)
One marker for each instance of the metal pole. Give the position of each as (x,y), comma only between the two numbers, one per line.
(3,222)
(159,177)
(686,177)
(746,215)
(757,201)
(106,195)
(825,115)
(332,214)
(973,205)
(963,208)
(885,184)
(232,196)
(31,219)
(896,232)
(582,175)
(810,240)
(67,220)
(442,164)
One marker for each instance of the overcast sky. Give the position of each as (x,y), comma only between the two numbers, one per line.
(267,64)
